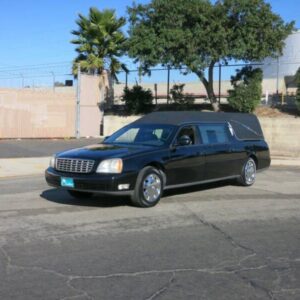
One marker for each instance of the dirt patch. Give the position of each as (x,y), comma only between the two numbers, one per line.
(273,112)
(282,111)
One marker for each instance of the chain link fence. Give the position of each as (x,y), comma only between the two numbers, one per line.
(278,86)
(40,76)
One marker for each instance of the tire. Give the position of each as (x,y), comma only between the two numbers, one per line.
(80,195)
(148,188)
(248,175)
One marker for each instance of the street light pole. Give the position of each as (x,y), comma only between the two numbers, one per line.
(77,125)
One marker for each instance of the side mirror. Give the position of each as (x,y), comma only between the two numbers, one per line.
(184,140)
(105,138)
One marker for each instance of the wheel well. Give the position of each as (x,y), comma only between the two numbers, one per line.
(255,159)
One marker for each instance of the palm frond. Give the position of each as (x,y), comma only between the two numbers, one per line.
(99,41)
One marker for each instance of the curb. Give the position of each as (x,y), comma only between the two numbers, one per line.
(15,167)
(286,161)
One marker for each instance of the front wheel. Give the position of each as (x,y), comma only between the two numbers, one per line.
(148,188)
(248,173)
(80,195)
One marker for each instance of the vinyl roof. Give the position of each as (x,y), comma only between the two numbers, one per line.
(246,126)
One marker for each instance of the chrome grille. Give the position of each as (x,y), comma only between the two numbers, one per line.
(74,165)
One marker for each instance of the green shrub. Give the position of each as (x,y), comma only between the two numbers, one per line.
(247,89)
(179,98)
(297,78)
(137,100)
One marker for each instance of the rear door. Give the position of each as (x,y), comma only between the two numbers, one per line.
(216,139)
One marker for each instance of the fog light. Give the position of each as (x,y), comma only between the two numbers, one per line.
(123,186)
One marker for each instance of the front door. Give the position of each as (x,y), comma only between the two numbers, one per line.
(186,163)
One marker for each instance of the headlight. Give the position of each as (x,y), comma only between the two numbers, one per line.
(114,165)
(52,162)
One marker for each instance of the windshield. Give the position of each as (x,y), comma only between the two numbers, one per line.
(142,134)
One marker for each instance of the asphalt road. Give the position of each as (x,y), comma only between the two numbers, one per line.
(212,242)
(40,147)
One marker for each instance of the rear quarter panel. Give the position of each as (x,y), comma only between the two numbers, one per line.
(259,149)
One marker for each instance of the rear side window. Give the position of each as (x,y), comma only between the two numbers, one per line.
(213,133)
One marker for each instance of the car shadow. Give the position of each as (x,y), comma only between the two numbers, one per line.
(63,197)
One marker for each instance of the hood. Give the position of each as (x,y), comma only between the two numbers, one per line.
(103,151)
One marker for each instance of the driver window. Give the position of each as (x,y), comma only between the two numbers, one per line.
(189,131)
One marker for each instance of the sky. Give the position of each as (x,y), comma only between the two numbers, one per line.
(35,34)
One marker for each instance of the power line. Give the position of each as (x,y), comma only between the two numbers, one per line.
(37,76)
(35,66)
(36,70)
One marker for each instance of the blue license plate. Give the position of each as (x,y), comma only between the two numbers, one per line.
(67,182)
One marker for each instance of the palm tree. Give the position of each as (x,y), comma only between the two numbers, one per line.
(100,42)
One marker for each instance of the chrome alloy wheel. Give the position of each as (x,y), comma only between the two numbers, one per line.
(250,171)
(152,187)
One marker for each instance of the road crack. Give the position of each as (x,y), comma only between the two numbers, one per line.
(236,244)
(162,289)
(213,226)
(68,278)
(81,292)
(236,269)
(283,290)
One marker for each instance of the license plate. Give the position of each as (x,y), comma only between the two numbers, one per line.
(67,182)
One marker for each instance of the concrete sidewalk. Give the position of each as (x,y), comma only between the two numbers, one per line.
(23,166)
(11,167)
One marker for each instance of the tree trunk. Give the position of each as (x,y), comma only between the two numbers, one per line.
(208,84)
(212,97)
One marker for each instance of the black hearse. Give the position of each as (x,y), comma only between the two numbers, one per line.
(164,150)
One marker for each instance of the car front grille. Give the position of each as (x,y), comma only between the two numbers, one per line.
(74,165)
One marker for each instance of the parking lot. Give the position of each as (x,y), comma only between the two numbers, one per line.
(217,241)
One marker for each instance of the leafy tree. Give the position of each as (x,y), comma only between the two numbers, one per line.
(179,98)
(137,100)
(198,34)
(247,91)
(99,41)
(297,78)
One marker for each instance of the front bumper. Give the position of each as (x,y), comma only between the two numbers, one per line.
(95,183)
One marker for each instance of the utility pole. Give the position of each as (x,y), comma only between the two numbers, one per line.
(168,85)
(126,79)
(155,90)
(77,125)
(220,75)
(140,74)
(277,78)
